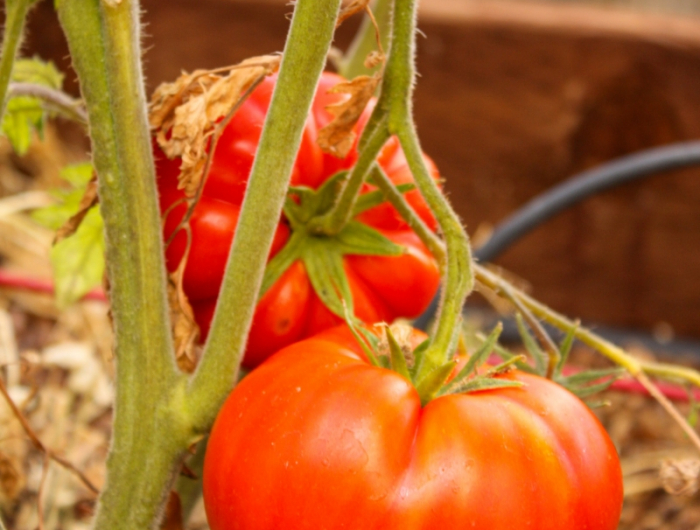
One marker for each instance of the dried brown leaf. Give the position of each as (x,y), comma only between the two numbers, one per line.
(680,476)
(185,329)
(349,8)
(338,136)
(89,200)
(184,113)
(374,58)
(172,517)
(11,480)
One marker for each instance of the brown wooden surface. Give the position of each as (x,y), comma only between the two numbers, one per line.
(512,99)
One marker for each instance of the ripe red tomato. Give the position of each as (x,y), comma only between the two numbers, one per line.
(383,288)
(318,438)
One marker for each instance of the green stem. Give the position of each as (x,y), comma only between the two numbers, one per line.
(353,62)
(334,221)
(304,57)
(396,95)
(149,437)
(429,238)
(15,16)
(54,100)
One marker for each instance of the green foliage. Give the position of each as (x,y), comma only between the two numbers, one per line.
(78,260)
(25,114)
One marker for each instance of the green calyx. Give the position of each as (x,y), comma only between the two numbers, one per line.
(321,254)
(397,355)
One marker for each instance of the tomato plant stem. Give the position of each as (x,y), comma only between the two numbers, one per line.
(334,221)
(397,91)
(353,62)
(15,15)
(53,99)
(148,437)
(397,200)
(304,57)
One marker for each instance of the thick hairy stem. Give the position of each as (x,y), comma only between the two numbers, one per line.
(303,60)
(148,435)
(397,91)
(15,15)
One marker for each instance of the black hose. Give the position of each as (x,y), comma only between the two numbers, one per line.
(581,186)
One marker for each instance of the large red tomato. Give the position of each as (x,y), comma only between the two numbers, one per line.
(383,287)
(318,438)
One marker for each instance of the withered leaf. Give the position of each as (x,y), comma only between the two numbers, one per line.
(88,200)
(185,329)
(338,136)
(680,477)
(349,8)
(374,58)
(172,516)
(184,113)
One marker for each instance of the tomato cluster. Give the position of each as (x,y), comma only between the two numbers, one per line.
(318,438)
(322,434)
(383,287)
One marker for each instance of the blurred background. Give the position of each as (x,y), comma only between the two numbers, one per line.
(513,98)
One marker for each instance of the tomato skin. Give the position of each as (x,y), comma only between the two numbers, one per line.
(299,313)
(317,438)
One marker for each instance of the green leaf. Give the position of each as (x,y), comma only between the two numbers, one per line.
(24,114)
(359,239)
(78,174)
(37,71)
(68,200)
(78,261)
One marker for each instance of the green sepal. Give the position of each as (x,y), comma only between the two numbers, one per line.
(477,358)
(585,391)
(486,383)
(397,357)
(565,348)
(506,355)
(430,385)
(314,202)
(25,114)
(361,240)
(375,198)
(284,259)
(418,357)
(579,383)
(327,276)
(366,340)
(588,376)
(532,347)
